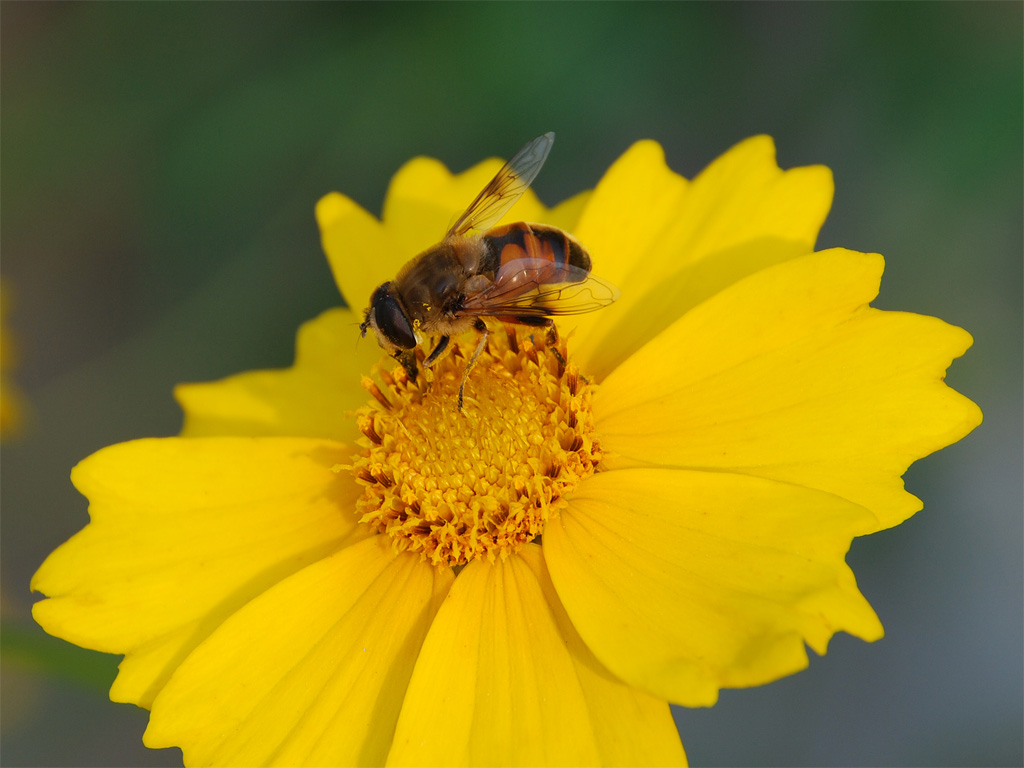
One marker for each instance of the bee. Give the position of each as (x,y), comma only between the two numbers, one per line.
(520,274)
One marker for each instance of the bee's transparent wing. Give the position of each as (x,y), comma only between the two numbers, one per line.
(540,288)
(505,188)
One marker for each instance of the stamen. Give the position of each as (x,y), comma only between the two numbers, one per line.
(387,378)
(371,386)
(365,424)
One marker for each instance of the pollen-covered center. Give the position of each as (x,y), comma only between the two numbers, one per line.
(457,485)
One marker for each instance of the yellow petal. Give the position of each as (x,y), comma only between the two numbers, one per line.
(631,727)
(566,215)
(313,398)
(744,195)
(668,245)
(424,200)
(638,187)
(311,672)
(503,679)
(360,250)
(789,375)
(623,228)
(183,533)
(683,582)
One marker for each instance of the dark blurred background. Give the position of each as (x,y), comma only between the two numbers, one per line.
(160,163)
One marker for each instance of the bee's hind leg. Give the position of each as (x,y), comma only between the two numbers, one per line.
(552,340)
(484,333)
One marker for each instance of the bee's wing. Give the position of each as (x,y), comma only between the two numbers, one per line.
(505,188)
(540,288)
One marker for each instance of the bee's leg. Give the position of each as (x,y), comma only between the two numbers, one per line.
(484,333)
(442,345)
(552,339)
(513,339)
(408,360)
(552,334)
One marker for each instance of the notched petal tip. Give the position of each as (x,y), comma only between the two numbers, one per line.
(183,532)
(683,582)
(670,244)
(312,398)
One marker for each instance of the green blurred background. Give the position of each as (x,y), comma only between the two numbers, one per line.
(160,163)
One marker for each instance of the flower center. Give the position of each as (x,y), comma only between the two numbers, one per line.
(455,486)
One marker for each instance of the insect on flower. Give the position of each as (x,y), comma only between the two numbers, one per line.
(520,274)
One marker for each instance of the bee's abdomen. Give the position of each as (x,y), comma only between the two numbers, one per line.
(534,241)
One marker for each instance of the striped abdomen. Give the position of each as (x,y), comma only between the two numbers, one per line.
(535,241)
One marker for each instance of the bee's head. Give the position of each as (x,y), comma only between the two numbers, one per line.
(389,320)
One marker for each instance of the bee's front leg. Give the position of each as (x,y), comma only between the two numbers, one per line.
(442,345)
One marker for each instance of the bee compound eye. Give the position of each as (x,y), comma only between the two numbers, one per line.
(391,319)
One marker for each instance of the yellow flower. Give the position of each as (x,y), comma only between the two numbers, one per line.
(313,574)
